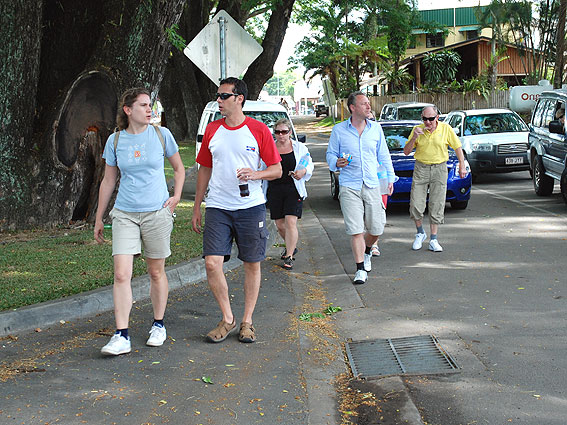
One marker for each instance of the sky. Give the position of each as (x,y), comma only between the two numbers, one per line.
(295,33)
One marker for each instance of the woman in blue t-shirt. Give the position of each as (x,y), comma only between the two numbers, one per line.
(143,211)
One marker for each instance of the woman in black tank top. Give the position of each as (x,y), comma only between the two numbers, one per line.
(284,201)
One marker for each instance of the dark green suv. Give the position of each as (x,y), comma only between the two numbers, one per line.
(548,146)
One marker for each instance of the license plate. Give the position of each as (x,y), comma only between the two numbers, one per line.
(514,160)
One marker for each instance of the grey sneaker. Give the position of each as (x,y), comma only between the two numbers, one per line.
(157,337)
(434,246)
(117,345)
(368,262)
(360,277)
(418,242)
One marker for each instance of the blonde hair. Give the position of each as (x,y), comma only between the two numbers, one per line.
(283,121)
(128,98)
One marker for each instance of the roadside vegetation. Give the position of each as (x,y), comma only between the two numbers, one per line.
(43,265)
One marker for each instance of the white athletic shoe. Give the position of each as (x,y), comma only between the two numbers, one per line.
(360,277)
(117,345)
(157,336)
(368,262)
(418,242)
(434,246)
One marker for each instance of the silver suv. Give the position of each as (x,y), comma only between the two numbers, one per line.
(548,147)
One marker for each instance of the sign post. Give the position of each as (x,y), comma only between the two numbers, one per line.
(222,48)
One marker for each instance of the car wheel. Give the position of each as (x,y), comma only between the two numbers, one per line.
(564,185)
(543,185)
(334,186)
(459,205)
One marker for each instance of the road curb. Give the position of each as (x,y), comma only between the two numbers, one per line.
(100,300)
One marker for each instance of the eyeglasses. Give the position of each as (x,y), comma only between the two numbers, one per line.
(428,118)
(225,96)
(281,131)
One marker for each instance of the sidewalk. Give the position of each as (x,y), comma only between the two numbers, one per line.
(289,376)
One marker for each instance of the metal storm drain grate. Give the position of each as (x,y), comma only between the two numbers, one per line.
(416,355)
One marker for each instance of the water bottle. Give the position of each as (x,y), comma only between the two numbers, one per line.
(383,179)
(302,162)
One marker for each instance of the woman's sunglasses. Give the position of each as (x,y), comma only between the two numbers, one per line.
(428,118)
(224,96)
(281,131)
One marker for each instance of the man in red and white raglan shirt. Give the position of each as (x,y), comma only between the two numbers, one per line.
(230,157)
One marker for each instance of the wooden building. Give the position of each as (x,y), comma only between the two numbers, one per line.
(475,55)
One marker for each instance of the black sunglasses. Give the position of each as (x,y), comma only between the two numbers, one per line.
(224,96)
(428,118)
(281,131)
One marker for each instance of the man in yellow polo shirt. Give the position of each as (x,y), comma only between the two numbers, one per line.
(431,140)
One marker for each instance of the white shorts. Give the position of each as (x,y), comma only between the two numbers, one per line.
(363,209)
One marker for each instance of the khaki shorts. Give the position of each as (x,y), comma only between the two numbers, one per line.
(433,178)
(363,209)
(131,230)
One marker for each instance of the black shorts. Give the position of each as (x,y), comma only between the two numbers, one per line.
(284,200)
(247,227)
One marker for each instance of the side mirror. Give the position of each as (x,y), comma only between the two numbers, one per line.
(457,131)
(556,127)
(301,138)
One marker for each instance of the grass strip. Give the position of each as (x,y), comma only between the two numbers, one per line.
(187,153)
(42,265)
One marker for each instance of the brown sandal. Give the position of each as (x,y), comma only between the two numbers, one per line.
(247,332)
(222,330)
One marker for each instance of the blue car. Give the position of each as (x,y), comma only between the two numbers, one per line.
(397,133)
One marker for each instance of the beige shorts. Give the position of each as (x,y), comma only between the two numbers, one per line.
(432,178)
(363,209)
(131,230)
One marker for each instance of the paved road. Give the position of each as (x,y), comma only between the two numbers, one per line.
(496,298)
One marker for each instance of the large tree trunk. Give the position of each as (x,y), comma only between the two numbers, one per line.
(185,90)
(262,69)
(18,85)
(90,52)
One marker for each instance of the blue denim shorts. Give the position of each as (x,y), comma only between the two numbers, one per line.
(246,227)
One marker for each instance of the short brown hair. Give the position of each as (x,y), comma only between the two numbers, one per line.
(128,98)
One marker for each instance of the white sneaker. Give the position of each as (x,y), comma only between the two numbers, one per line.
(368,262)
(418,242)
(434,246)
(375,251)
(157,336)
(117,345)
(360,277)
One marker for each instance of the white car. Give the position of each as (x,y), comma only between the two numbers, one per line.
(494,140)
(267,112)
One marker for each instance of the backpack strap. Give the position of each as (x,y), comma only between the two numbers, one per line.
(160,136)
(156,128)
(116,135)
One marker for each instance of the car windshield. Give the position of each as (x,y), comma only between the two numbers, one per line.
(268,118)
(396,136)
(493,123)
(413,113)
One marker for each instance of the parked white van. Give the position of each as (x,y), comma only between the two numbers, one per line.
(267,112)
